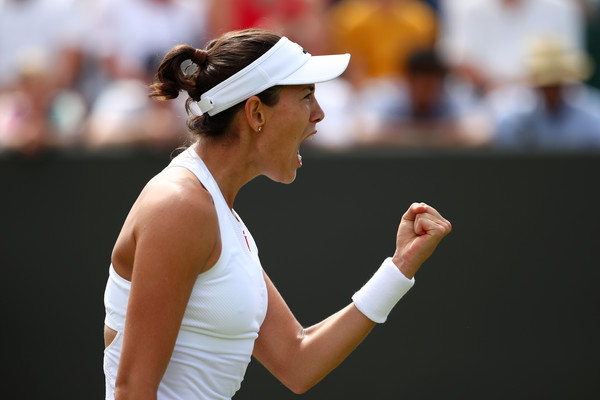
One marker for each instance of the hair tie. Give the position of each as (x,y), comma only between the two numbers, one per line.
(199,57)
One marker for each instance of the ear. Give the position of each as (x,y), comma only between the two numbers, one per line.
(254,111)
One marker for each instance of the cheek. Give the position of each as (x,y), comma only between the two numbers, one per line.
(288,127)
(291,129)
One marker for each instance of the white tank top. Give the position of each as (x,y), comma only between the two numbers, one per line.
(221,322)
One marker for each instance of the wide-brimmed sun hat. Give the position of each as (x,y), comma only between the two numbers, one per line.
(286,63)
(550,61)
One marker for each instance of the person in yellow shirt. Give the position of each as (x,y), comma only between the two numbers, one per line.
(381,34)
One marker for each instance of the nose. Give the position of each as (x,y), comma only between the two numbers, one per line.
(317,113)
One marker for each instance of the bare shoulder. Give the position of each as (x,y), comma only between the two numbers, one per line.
(175,215)
(173,222)
(175,192)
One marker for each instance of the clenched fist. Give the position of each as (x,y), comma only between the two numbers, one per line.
(420,231)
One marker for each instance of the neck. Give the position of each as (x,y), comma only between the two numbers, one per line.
(228,163)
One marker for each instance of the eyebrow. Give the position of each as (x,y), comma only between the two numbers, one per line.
(310,88)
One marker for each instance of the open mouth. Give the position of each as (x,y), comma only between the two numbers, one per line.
(299,157)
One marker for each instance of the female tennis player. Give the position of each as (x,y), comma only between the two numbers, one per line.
(187,301)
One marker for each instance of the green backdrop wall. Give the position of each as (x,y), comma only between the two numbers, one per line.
(508,306)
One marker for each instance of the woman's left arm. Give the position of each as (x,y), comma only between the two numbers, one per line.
(300,357)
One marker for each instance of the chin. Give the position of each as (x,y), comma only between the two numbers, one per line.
(288,179)
(292,179)
(285,179)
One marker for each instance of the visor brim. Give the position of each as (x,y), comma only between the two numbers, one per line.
(318,69)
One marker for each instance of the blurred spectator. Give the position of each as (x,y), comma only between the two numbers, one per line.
(82,71)
(435,4)
(486,40)
(134,36)
(556,112)
(426,109)
(133,33)
(37,109)
(124,116)
(24,109)
(28,26)
(35,113)
(301,21)
(380,34)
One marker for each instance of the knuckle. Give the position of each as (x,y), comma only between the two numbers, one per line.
(448,226)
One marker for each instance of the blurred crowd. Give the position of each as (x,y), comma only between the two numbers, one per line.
(452,74)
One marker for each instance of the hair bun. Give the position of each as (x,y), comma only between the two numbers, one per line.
(199,57)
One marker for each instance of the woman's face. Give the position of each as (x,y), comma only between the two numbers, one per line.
(292,120)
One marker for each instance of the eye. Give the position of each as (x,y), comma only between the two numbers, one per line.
(311,92)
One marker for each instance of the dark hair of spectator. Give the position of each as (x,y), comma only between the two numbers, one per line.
(426,62)
(222,58)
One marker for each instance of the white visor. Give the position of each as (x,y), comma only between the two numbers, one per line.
(286,63)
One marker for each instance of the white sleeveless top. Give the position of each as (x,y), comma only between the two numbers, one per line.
(221,322)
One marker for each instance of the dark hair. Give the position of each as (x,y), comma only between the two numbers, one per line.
(426,62)
(222,58)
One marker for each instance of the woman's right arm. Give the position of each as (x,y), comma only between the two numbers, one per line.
(176,235)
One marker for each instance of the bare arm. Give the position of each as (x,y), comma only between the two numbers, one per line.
(299,357)
(175,233)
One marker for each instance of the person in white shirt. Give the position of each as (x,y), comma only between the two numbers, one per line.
(187,301)
(487,40)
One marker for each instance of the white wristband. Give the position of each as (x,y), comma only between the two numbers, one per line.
(381,293)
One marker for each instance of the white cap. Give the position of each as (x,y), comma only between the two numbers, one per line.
(286,63)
